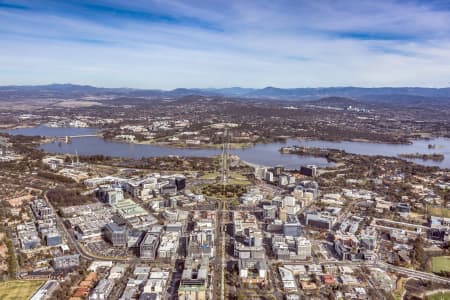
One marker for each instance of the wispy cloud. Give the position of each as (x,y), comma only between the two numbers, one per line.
(175,43)
(4,5)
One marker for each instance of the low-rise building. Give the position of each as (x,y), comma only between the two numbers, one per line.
(194,280)
(117,235)
(292,226)
(149,246)
(288,279)
(53,239)
(66,261)
(102,290)
(168,246)
(252,271)
(288,247)
(110,194)
(320,221)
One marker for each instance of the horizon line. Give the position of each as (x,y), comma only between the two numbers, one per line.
(219,88)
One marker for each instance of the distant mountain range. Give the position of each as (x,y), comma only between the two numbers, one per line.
(380,95)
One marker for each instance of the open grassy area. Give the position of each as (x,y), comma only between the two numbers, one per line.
(210,175)
(439,296)
(239,181)
(19,289)
(440,263)
(439,211)
(235,178)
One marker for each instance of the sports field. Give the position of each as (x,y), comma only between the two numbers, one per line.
(440,263)
(19,289)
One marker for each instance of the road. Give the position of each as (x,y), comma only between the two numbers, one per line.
(413,273)
(402,270)
(219,264)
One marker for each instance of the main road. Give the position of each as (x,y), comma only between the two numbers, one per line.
(219,260)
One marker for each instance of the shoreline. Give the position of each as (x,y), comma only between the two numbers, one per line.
(279,139)
(409,142)
(183,146)
(252,144)
(436,157)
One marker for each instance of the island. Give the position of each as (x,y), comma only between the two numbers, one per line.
(432,156)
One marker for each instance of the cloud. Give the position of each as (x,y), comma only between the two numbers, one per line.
(170,43)
(12,6)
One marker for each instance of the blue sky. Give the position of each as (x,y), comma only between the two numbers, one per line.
(179,43)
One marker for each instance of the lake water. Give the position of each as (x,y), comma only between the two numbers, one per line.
(261,154)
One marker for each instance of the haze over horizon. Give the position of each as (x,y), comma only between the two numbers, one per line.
(74,84)
(216,44)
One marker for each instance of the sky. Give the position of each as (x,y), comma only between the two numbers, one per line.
(166,44)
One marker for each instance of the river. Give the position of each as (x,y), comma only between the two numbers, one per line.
(261,154)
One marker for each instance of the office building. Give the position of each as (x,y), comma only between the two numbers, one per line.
(194,280)
(269,212)
(53,239)
(168,246)
(66,261)
(180,183)
(41,210)
(149,246)
(310,170)
(102,290)
(278,170)
(117,235)
(169,188)
(303,248)
(201,243)
(320,221)
(292,226)
(252,271)
(110,194)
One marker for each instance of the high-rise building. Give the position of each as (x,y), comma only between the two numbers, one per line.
(180,182)
(310,170)
(269,176)
(278,170)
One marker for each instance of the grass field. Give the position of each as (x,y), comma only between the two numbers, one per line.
(19,289)
(238,181)
(439,296)
(210,175)
(440,263)
(235,178)
(439,211)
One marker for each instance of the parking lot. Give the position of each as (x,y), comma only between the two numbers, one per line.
(102,248)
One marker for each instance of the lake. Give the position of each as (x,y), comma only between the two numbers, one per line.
(261,154)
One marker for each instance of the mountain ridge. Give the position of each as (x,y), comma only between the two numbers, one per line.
(365,94)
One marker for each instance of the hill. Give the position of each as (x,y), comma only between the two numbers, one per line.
(398,95)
